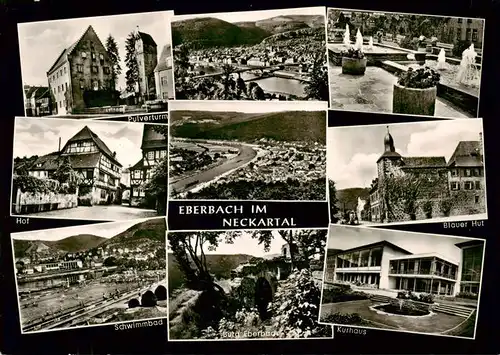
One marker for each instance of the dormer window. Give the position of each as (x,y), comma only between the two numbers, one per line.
(84,55)
(39,165)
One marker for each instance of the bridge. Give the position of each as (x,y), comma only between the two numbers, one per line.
(53,275)
(244,68)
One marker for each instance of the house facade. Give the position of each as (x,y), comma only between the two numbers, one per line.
(384,265)
(146,53)
(81,76)
(37,101)
(154,150)
(164,76)
(457,188)
(97,166)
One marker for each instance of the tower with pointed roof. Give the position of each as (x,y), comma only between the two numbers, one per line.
(81,77)
(146,54)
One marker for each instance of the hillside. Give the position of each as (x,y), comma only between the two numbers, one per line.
(141,234)
(212,32)
(24,248)
(348,198)
(76,243)
(281,126)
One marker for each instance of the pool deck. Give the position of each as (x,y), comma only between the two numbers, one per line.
(372,92)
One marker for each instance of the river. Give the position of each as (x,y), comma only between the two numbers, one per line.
(269,84)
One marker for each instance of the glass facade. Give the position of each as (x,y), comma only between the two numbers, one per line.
(472,259)
(361,258)
(424,266)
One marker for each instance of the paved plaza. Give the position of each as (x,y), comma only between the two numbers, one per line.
(100,212)
(372,92)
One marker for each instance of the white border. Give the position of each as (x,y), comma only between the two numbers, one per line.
(126,118)
(411,14)
(248,339)
(480,216)
(136,221)
(87,122)
(234,103)
(274,13)
(169,13)
(407,331)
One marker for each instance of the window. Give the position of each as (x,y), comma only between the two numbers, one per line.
(468,34)
(474,35)
(94,69)
(459,20)
(93,56)
(106,70)
(476,199)
(66,85)
(79,68)
(468,172)
(164,81)
(454,172)
(468,185)
(60,104)
(101,57)
(137,174)
(151,155)
(84,55)
(477,172)
(64,70)
(469,20)
(90,174)
(455,186)
(459,34)
(58,88)
(165,95)
(103,193)
(477,185)
(163,153)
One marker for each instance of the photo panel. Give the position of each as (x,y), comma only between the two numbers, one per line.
(91,275)
(89,169)
(265,55)
(407,173)
(415,64)
(97,66)
(246,285)
(402,281)
(247,159)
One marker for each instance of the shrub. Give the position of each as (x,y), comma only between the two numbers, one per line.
(343,318)
(421,42)
(468,295)
(427,208)
(445,206)
(161,293)
(342,295)
(133,303)
(421,78)
(148,299)
(402,295)
(84,201)
(426,297)
(353,53)
(32,184)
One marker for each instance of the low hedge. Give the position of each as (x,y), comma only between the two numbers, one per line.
(339,295)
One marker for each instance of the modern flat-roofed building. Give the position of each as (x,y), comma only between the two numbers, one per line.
(471,266)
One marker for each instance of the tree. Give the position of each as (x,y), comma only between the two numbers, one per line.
(114,56)
(255,91)
(332,200)
(132,73)
(65,173)
(317,87)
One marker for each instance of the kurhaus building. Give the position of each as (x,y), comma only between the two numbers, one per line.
(88,155)
(457,187)
(384,265)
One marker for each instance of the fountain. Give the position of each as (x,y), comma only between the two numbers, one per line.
(441,61)
(468,72)
(347,34)
(370,43)
(359,41)
(401,304)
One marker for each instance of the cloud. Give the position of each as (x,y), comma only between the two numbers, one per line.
(357,172)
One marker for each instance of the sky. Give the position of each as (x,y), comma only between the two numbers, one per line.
(247,106)
(342,237)
(41,136)
(352,152)
(243,16)
(245,244)
(105,230)
(41,43)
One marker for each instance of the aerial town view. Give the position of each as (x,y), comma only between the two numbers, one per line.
(242,151)
(402,281)
(91,275)
(97,66)
(256,55)
(430,171)
(404,63)
(93,170)
(228,286)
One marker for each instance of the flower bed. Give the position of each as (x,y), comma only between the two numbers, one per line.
(405,309)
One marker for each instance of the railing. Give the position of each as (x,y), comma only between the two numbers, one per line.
(422,272)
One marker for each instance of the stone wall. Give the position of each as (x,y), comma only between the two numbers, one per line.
(29,202)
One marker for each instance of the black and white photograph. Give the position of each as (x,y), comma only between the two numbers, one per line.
(418,172)
(244,285)
(97,274)
(89,169)
(386,62)
(402,281)
(271,55)
(95,66)
(229,150)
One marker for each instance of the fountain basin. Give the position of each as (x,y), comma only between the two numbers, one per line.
(395,310)
(353,66)
(375,55)
(412,101)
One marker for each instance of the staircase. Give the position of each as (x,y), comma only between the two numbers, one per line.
(453,310)
(383,299)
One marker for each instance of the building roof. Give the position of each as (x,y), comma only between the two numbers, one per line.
(391,155)
(424,162)
(377,244)
(470,243)
(162,62)
(426,255)
(81,161)
(35,91)
(467,154)
(147,39)
(86,134)
(137,165)
(152,139)
(48,162)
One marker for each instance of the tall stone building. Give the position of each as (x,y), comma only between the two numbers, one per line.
(147,58)
(81,76)
(164,79)
(444,188)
